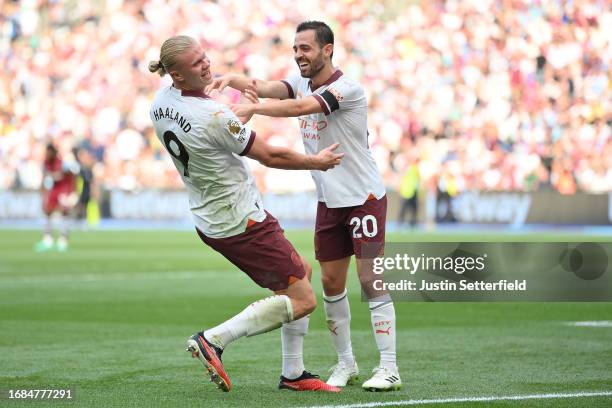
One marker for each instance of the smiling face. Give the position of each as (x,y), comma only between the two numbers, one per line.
(310,57)
(192,69)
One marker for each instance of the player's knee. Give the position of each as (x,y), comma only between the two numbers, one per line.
(308,309)
(309,302)
(303,299)
(331,284)
(304,306)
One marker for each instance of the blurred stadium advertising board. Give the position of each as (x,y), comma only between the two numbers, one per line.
(504,208)
(545,207)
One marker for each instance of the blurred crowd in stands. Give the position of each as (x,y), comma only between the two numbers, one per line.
(489,95)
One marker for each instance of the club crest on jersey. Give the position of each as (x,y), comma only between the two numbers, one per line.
(236,129)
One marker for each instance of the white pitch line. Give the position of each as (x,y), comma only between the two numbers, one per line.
(469,399)
(594,323)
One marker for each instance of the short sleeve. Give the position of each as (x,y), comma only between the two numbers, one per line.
(341,95)
(232,135)
(291,83)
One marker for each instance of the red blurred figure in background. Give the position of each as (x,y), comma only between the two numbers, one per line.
(59,198)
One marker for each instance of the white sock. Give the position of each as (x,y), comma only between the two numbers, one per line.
(338,316)
(382,314)
(64,226)
(258,317)
(292,339)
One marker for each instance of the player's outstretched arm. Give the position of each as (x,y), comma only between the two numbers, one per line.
(285,108)
(249,95)
(265,89)
(287,159)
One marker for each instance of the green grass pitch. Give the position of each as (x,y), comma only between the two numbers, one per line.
(109,319)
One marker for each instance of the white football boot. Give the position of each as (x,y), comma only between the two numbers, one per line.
(343,374)
(383,379)
(62,244)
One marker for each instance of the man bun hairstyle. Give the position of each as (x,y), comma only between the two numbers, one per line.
(156,66)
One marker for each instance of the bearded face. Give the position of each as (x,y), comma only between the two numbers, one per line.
(309,56)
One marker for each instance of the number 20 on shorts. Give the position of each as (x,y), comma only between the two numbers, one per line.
(364,226)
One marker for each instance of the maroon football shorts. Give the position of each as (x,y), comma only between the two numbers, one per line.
(342,232)
(262,252)
(59,198)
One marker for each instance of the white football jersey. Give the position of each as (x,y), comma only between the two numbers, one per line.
(344,121)
(206,140)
